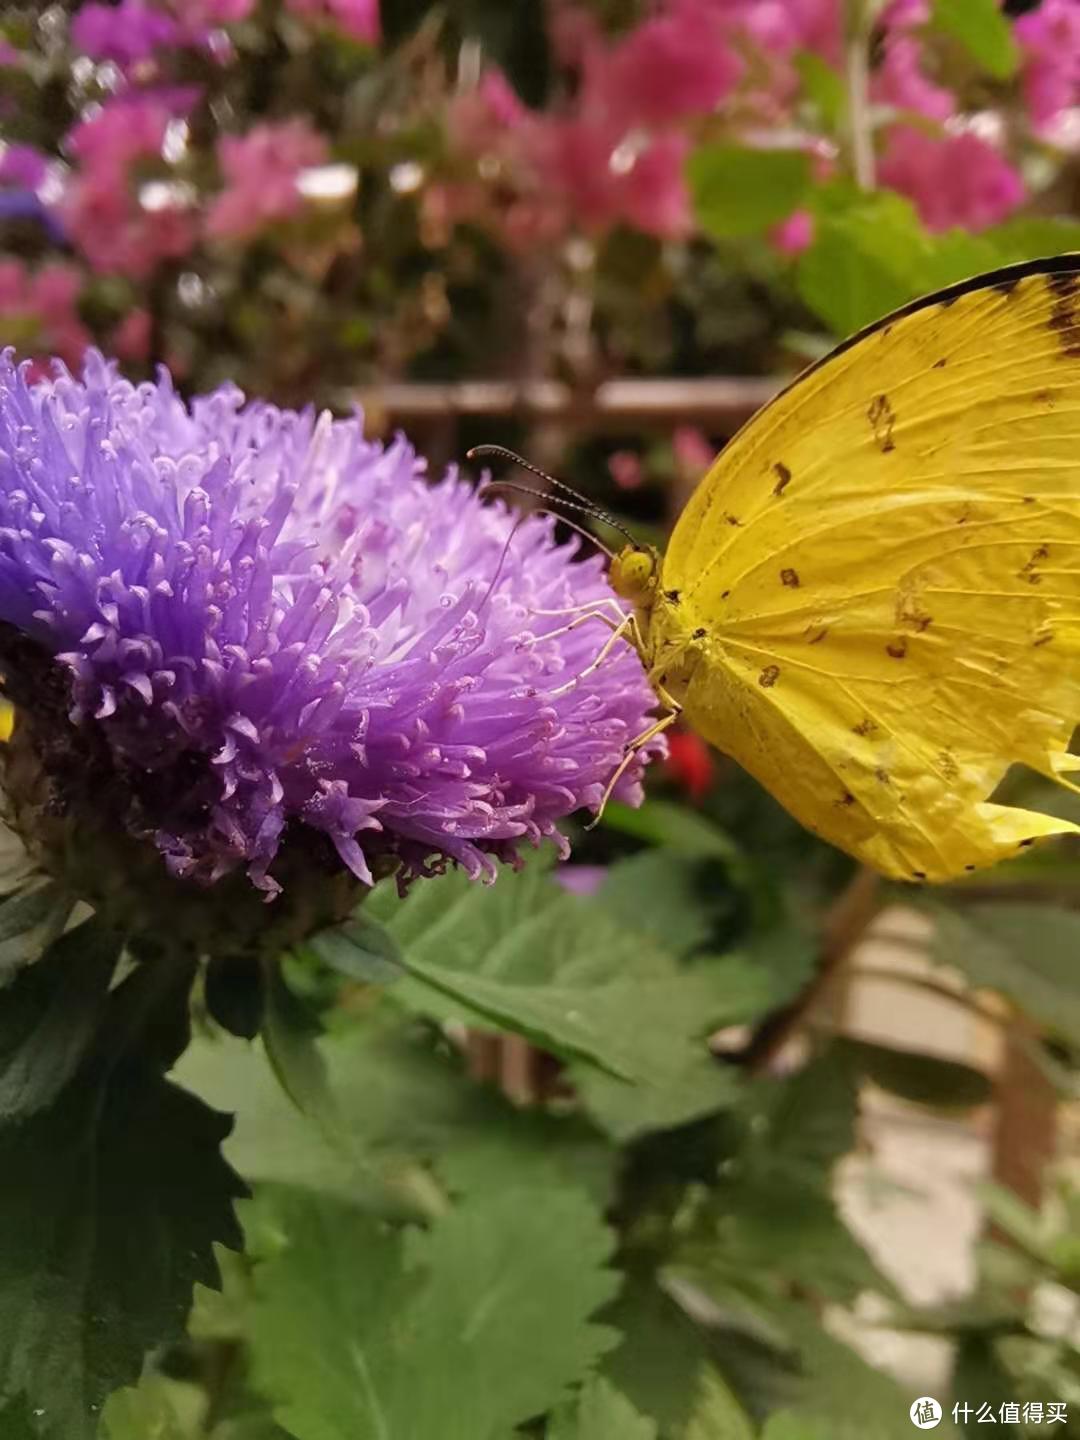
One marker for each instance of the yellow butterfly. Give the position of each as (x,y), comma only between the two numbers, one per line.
(872,601)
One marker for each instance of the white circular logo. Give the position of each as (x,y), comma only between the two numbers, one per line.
(925,1413)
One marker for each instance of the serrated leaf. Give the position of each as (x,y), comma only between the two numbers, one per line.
(600,1413)
(398,1099)
(50,1015)
(1028,952)
(717,1414)
(110,1204)
(528,957)
(155,1409)
(457,1333)
(737,191)
(671,898)
(984,32)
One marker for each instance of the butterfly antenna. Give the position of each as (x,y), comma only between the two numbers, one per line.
(577,501)
(492,485)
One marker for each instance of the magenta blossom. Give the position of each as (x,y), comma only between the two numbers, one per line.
(126,33)
(270,623)
(953,180)
(261,169)
(1050,40)
(356,18)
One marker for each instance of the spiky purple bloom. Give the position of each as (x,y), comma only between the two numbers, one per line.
(275,623)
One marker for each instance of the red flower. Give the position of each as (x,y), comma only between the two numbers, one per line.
(689,763)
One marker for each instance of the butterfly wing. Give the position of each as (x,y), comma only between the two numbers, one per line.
(885,564)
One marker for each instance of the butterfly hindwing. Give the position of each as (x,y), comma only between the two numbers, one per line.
(886,566)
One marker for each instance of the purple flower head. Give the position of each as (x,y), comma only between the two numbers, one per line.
(271,623)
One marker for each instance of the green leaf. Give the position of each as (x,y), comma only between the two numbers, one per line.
(717,1414)
(871,255)
(1031,237)
(601,1413)
(400,1101)
(921,1078)
(457,1333)
(668,897)
(824,88)
(528,957)
(29,920)
(1028,952)
(289,1034)
(50,1015)
(737,191)
(155,1409)
(360,949)
(662,1354)
(110,1203)
(984,32)
(234,994)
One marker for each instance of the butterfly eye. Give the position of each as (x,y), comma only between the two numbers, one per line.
(633,573)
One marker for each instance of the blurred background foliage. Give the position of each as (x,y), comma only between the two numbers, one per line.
(619,1221)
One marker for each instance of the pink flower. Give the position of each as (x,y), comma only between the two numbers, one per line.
(954,180)
(125,33)
(131,338)
(202,15)
(23,165)
(358,18)
(899,81)
(39,309)
(481,120)
(1050,40)
(261,169)
(625,469)
(653,194)
(670,68)
(693,452)
(795,234)
(102,209)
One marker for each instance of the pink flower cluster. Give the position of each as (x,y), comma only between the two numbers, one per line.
(260,171)
(39,309)
(616,153)
(105,210)
(1050,40)
(358,19)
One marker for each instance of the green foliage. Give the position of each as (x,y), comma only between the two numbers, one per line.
(600,1413)
(1026,951)
(529,957)
(489,1310)
(738,192)
(120,1191)
(983,31)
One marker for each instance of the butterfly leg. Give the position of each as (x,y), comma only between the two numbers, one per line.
(638,743)
(581,620)
(627,630)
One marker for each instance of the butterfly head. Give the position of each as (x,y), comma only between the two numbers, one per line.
(635,575)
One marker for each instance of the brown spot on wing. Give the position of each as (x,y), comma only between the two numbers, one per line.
(940,364)
(881,776)
(673,595)
(882,418)
(1028,571)
(1006,287)
(783,478)
(815,637)
(898,649)
(846,799)
(789,578)
(1064,320)
(865,727)
(769,676)
(1043,639)
(731,519)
